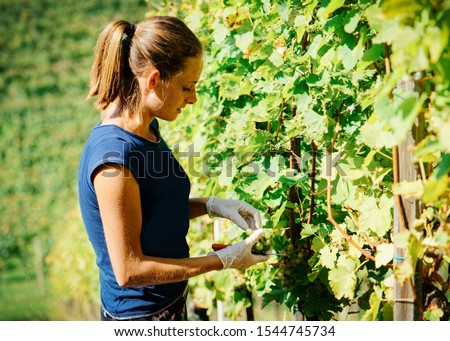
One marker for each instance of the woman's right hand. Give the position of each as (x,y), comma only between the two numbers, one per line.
(239,255)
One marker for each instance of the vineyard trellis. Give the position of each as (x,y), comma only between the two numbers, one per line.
(304,115)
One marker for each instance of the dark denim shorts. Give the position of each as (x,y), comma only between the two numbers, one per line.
(175,311)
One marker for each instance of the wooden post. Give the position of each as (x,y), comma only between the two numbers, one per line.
(407,209)
(403,295)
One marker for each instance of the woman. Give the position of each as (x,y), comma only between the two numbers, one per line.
(133,193)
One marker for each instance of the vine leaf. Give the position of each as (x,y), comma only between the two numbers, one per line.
(372,312)
(434,189)
(375,217)
(244,40)
(276,58)
(223,282)
(384,255)
(444,135)
(333,5)
(316,124)
(391,120)
(276,217)
(438,181)
(408,188)
(349,57)
(351,21)
(342,277)
(328,256)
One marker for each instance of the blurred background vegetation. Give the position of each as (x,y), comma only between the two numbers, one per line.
(47,266)
(46,49)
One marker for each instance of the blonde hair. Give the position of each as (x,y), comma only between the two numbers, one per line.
(124,51)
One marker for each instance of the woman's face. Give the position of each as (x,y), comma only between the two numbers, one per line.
(168,100)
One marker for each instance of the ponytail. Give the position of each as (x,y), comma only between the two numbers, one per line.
(111,75)
(124,52)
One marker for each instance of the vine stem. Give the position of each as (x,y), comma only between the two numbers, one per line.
(387,60)
(294,228)
(313,181)
(349,239)
(387,65)
(330,217)
(280,120)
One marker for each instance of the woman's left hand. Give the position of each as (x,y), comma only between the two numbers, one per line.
(241,213)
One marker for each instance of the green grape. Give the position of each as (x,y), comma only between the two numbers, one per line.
(259,246)
(263,245)
(267,233)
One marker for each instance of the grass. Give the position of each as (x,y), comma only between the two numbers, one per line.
(22,300)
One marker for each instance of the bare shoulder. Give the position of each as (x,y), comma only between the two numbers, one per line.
(113,176)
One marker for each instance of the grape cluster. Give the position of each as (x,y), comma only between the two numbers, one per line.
(289,266)
(262,245)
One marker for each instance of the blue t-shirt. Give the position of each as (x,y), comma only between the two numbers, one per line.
(164,191)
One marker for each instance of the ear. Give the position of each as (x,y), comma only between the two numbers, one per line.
(152,79)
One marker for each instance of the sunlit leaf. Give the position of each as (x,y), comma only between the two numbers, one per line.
(276,217)
(315,123)
(385,254)
(408,188)
(371,314)
(351,21)
(343,278)
(434,188)
(328,257)
(333,5)
(375,217)
(243,41)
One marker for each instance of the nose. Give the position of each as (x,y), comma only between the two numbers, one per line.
(192,98)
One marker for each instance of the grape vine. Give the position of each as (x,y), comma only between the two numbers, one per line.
(303,106)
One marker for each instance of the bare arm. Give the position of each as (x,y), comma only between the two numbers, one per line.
(120,210)
(197,207)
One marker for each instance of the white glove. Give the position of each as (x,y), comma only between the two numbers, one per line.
(239,212)
(239,255)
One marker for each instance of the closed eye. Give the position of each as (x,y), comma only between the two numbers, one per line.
(189,89)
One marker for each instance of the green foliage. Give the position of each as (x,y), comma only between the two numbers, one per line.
(334,84)
(46,53)
(73,272)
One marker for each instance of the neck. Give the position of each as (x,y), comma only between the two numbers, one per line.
(112,115)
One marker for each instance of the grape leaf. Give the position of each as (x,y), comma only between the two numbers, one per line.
(316,125)
(276,58)
(351,21)
(328,256)
(349,57)
(372,313)
(223,282)
(333,5)
(408,188)
(434,188)
(244,40)
(375,218)
(385,253)
(276,217)
(342,277)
